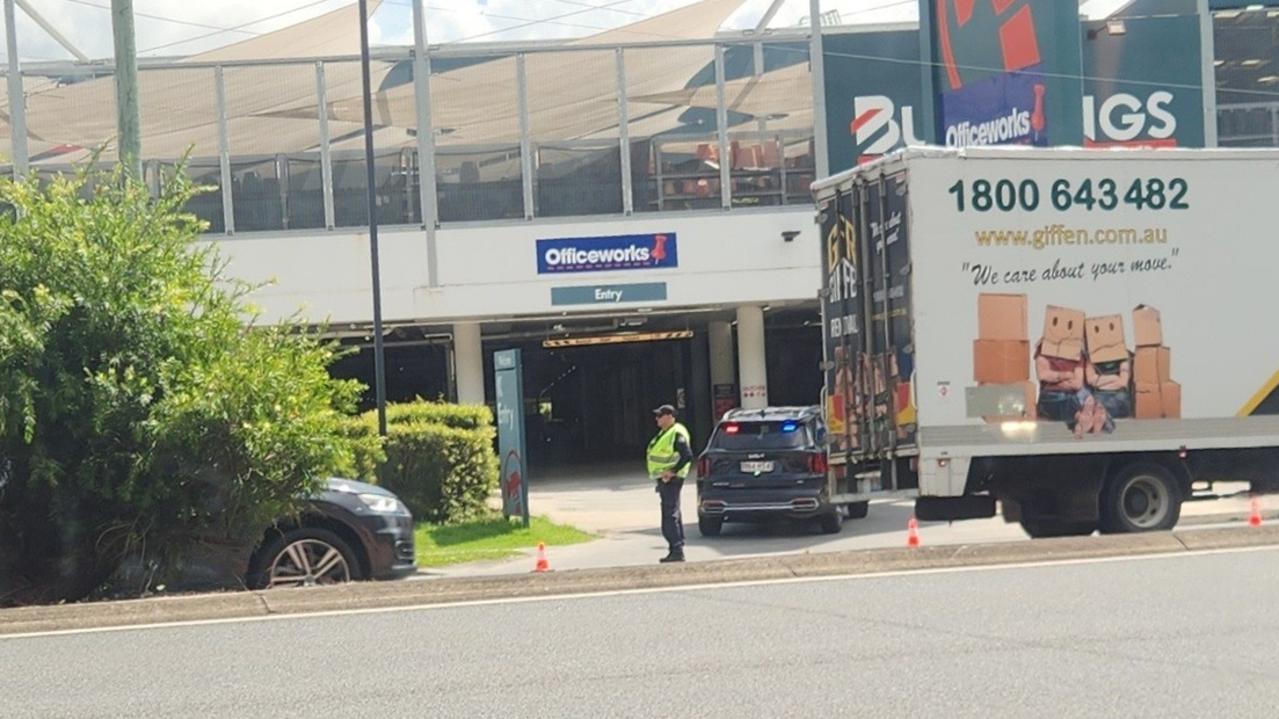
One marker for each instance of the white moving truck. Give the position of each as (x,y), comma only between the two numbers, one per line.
(1083,335)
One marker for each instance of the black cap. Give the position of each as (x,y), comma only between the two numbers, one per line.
(664,410)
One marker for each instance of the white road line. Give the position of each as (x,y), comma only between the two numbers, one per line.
(648,590)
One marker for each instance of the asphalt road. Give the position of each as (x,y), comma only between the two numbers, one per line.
(1184,636)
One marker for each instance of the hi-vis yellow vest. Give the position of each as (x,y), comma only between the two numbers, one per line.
(662,455)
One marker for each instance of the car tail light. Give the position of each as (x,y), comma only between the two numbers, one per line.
(817,463)
(732,428)
(703,467)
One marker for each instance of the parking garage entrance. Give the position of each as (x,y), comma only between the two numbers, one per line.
(590,384)
(591,404)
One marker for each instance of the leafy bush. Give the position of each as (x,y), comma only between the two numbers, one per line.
(437,457)
(138,411)
(367,449)
(457,416)
(442,473)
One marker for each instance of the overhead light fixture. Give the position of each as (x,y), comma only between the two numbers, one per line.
(1252,62)
(1218,63)
(1116,27)
(1268,79)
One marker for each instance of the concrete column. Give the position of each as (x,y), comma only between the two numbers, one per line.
(468,362)
(751,360)
(723,368)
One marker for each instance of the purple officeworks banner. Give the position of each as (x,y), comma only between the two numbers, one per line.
(1006,109)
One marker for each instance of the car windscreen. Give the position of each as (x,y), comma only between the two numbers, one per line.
(757,436)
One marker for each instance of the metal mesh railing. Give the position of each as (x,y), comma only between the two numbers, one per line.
(573,131)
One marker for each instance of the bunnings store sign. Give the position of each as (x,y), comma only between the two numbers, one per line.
(1143,85)
(1137,88)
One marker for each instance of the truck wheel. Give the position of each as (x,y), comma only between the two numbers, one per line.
(1142,497)
(858,510)
(710,526)
(832,523)
(1044,528)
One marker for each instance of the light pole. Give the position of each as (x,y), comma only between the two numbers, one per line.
(17,103)
(379,351)
(128,116)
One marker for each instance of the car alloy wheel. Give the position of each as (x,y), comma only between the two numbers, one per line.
(308,563)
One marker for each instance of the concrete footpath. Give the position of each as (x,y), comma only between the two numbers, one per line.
(374,596)
(618,505)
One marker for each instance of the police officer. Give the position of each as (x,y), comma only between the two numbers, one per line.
(670,457)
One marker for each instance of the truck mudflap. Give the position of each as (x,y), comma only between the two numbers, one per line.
(945,509)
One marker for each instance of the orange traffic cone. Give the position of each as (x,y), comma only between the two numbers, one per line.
(542,564)
(912,533)
(1254,518)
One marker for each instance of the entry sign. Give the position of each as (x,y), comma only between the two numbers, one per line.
(609,294)
(509,384)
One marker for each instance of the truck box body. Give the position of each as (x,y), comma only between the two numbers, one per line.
(989,303)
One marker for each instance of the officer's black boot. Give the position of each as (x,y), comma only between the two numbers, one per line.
(672,557)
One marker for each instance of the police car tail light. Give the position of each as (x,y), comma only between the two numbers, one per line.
(703,467)
(817,463)
(732,428)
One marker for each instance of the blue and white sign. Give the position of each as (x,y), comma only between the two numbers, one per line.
(508,370)
(1007,109)
(609,294)
(602,254)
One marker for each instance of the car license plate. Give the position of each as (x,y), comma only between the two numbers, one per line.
(757,467)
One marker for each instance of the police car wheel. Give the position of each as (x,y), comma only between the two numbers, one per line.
(831,523)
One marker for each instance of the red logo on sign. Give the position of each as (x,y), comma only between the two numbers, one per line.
(659,247)
(1017,39)
(513,484)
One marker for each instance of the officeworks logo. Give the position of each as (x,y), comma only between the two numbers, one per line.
(1001,110)
(603,254)
(1011,128)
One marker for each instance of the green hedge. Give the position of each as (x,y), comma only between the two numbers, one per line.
(457,416)
(442,473)
(368,451)
(437,457)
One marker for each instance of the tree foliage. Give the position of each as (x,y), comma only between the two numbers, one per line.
(141,408)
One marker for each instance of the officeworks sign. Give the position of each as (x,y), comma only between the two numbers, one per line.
(602,254)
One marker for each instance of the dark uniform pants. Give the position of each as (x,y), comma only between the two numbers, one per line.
(672,520)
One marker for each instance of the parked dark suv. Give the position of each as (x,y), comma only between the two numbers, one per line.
(349,531)
(346,531)
(766,464)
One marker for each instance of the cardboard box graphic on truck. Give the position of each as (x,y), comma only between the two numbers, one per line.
(1031,303)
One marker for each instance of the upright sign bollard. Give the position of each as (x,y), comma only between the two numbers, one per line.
(508,372)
